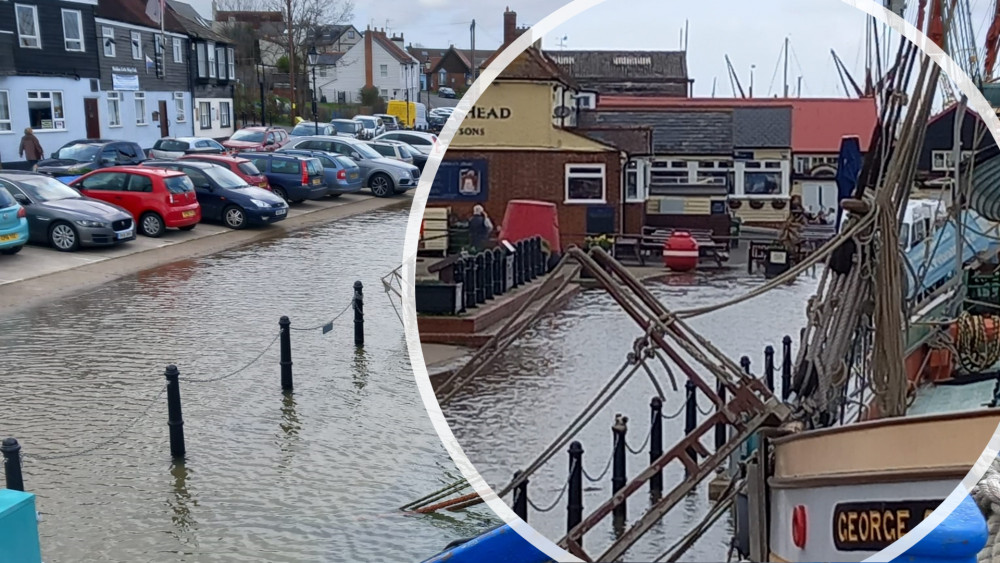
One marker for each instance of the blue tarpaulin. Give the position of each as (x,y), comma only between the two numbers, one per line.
(933,259)
(848,169)
(501,544)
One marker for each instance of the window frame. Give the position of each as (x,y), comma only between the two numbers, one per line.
(202,114)
(79,29)
(201,51)
(115,97)
(105,43)
(180,110)
(52,108)
(231,62)
(37,37)
(178,50)
(135,42)
(783,169)
(225,115)
(140,118)
(383,71)
(220,60)
(570,175)
(5,94)
(210,51)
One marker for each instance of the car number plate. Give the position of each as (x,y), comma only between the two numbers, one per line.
(187,214)
(354,176)
(280,212)
(5,238)
(316,181)
(263,185)
(124,234)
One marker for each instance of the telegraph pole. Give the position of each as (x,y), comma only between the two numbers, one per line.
(472,30)
(291,58)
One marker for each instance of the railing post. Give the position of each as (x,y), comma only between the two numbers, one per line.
(532,258)
(518,263)
(488,274)
(498,272)
(769,367)
(656,444)
(574,505)
(720,427)
(691,415)
(285,360)
(539,257)
(12,464)
(618,478)
(458,274)
(175,420)
(480,279)
(521,498)
(786,367)
(470,283)
(745,364)
(359,314)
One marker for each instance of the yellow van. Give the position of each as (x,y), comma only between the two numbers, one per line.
(412,117)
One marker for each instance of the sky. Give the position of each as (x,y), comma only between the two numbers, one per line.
(751,32)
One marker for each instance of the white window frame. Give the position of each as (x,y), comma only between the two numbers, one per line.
(220,59)
(179,109)
(231,60)
(135,42)
(178,46)
(210,48)
(762,165)
(140,115)
(383,71)
(225,114)
(202,54)
(79,29)
(350,34)
(115,114)
(602,175)
(109,49)
(37,37)
(641,172)
(942,161)
(203,115)
(383,93)
(6,124)
(52,103)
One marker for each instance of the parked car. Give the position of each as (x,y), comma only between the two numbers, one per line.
(226,197)
(383,176)
(13,224)
(419,159)
(263,139)
(446,92)
(390,150)
(348,127)
(307,128)
(372,126)
(170,149)
(293,178)
(420,140)
(390,121)
(158,199)
(437,121)
(80,157)
(239,166)
(62,218)
(343,175)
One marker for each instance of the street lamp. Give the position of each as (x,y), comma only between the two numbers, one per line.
(263,106)
(313,58)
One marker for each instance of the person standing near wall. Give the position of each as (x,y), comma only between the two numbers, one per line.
(480,228)
(30,149)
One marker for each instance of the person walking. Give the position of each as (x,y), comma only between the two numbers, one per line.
(480,228)
(30,149)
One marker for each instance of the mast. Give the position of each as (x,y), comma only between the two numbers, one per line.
(786,66)
(734,79)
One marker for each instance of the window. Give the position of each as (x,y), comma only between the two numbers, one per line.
(205,114)
(45,110)
(211,60)
(632,181)
(158,54)
(585,183)
(224,114)
(231,57)
(442,77)
(72,30)
(178,50)
(27,26)
(106,181)
(383,70)
(322,72)
(179,107)
(220,57)
(5,124)
(285,166)
(140,108)
(942,161)
(114,109)
(108,33)
(761,178)
(202,61)
(350,34)
(136,45)
(140,183)
(384,93)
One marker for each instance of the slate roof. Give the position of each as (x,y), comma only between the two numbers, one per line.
(129,11)
(681,132)
(585,65)
(533,64)
(762,128)
(632,140)
(193,24)
(390,46)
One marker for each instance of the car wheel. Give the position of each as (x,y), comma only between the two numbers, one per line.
(234,217)
(188,227)
(9,251)
(280,192)
(63,237)
(151,225)
(381,185)
(333,196)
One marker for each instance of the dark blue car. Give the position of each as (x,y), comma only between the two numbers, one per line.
(226,197)
(295,178)
(343,175)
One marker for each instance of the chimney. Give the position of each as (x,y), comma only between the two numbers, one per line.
(369,71)
(398,40)
(509,26)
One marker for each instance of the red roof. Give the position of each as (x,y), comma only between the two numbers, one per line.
(818,124)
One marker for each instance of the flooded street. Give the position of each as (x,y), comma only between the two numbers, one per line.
(315,476)
(522,403)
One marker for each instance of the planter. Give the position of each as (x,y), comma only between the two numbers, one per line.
(735,204)
(756,204)
(438,298)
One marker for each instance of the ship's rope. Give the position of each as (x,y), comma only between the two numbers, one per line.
(986,494)
(976,351)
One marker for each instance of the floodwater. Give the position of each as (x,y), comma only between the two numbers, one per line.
(314,476)
(525,400)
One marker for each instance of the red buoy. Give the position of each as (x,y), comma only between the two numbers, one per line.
(680,252)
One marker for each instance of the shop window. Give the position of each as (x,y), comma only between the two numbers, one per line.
(942,161)
(762,183)
(585,183)
(45,110)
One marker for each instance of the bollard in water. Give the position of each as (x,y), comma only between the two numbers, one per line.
(618,478)
(745,364)
(359,314)
(480,279)
(175,419)
(769,367)
(574,506)
(12,464)
(488,271)
(691,415)
(656,444)
(786,367)
(470,283)
(285,360)
(521,498)
(720,427)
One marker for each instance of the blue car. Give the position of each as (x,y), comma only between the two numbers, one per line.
(13,224)
(226,197)
(293,177)
(343,175)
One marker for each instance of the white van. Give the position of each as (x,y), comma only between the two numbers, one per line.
(420,124)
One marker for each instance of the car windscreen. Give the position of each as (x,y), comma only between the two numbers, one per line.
(44,188)
(248,168)
(224,177)
(304,129)
(171,145)
(367,121)
(248,136)
(408,150)
(384,150)
(178,184)
(345,127)
(366,151)
(78,152)
(345,162)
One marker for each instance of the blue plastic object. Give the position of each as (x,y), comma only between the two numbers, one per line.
(501,544)
(958,539)
(18,528)
(66,179)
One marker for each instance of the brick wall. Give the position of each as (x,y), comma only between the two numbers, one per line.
(541,176)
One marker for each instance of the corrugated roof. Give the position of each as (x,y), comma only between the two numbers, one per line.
(762,128)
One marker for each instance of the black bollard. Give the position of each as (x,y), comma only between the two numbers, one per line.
(12,464)
(769,367)
(720,427)
(745,364)
(480,279)
(285,360)
(691,415)
(498,271)
(518,261)
(459,277)
(786,367)
(574,506)
(359,314)
(618,478)
(521,498)
(539,257)
(470,283)
(656,444)
(488,274)
(175,419)
(529,266)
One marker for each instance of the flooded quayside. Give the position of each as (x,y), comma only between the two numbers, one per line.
(314,476)
(563,360)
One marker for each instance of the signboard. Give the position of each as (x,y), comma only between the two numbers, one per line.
(125,69)
(125,82)
(461,180)
(872,526)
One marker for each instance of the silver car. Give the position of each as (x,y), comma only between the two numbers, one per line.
(420,140)
(347,128)
(171,149)
(373,125)
(391,150)
(384,176)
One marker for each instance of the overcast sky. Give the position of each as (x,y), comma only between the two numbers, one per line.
(751,32)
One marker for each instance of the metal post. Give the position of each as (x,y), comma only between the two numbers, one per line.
(480,278)
(315,107)
(359,314)
(745,364)
(488,272)
(12,464)
(459,276)
(691,415)
(574,506)
(284,326)
(498,271)
(175,419)
(720,427)
(786,367)
(656,444)
(521,498)
(470,283)
(529,260)
(618,478)
(263,104)
(769,367)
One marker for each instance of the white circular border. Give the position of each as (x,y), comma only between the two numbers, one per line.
(976,102)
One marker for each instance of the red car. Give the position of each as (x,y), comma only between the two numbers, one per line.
(158,199)
(239,166)
(257,139)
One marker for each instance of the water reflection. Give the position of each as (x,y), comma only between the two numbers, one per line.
(181,503)
(360,369)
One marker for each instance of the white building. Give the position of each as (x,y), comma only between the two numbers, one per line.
(379,61)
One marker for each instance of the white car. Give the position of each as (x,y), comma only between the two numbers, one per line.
(171,149)
(373,126)
(420,140)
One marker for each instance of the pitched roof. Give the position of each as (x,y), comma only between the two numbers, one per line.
(622,64)
(533,64)
(328,59)
(463,55)
(632,140)
(249,16)
(390,46)
(675,132)
(328,34)
(129,11)
(762,127)
(193,24)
